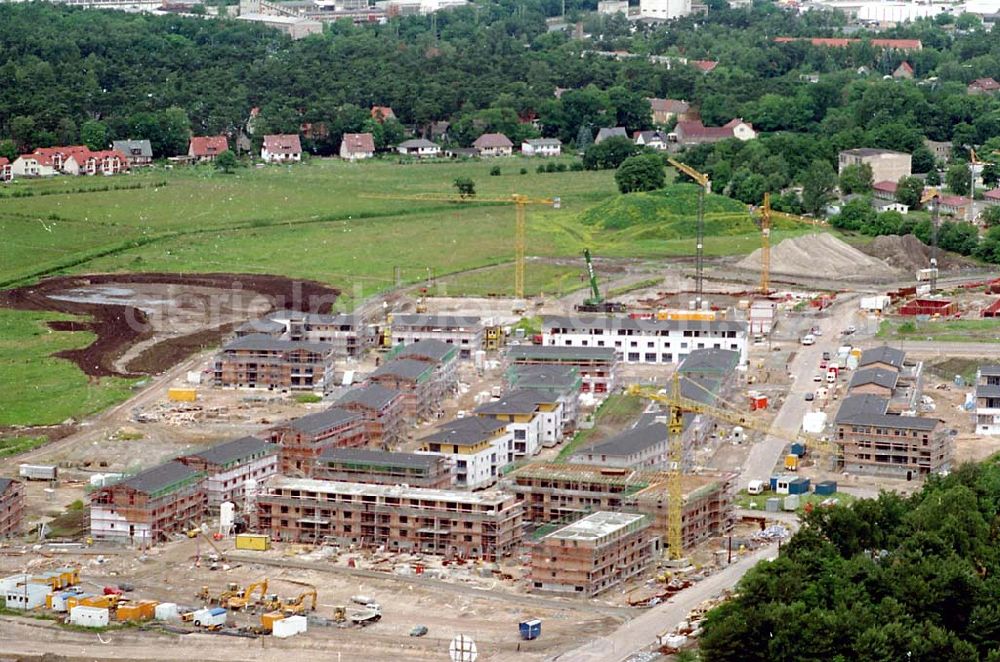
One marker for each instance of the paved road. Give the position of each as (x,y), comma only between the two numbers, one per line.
(765,453)
(642,631)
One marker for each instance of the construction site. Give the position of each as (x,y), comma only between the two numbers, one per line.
(512,470)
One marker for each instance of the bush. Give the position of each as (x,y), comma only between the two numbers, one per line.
(576,166)
(524,171)
(308,398)
(540,169)
(550,167)
(561,167)
(495,171)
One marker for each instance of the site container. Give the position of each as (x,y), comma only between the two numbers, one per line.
(268,620)
(182,395)
(69,575)
(798,449)
(791,502)
(798,486)
(166,611)
(253,541)
(791,463)
(289,626)
(826,488)
(128,612)
(89,617)
(38,471)
(772,505)
(147,609)
(210,617)
(530,629)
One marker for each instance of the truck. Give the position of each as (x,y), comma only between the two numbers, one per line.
(38,471)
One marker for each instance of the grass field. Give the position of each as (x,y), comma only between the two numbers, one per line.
(972,330)
(757,501)
(40,389)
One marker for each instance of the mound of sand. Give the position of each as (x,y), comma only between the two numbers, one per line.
(909,253)
(821,256)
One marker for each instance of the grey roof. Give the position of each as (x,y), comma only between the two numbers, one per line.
(710,360)
(879,376)
(368,456)
(545,376)
(990,370)
(611,132)
(544,142)
(889,421)
(884,354)
(373,396)
(988,391)
(134,147)
(160,477)
(261,326)
(650,135)
(323,420)
(436,321)
(861,404)
(437,350)
(235,450)
(467,431)
(262,342)
(344,319)
(417,143)
(643,325)
(871,151)
(634,441)
(5,483)
(405,368)
(521,401)
(555,353)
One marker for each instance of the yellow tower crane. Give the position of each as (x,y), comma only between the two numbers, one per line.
(706,187)
(519,201)
(677,404)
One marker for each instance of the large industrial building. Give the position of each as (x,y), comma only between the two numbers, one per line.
(483,525)
(593,554)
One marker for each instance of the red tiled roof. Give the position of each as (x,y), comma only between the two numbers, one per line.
(992,195)
(887,186)
(953,200)
(669,106)
(4,161)
(840,42)
(359,143)
(705,65)
(42,158)
(695,129)
(283,143)
(381,113)
(492,141)
(987,84)
(905,66)
(208,145)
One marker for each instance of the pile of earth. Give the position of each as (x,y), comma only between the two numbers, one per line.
(118,327)
(822,256)
(908,253)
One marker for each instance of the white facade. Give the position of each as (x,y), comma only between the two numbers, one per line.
(231,485)
(612,7)
(664,9)
(8,583)
(106,524)
(27,596)
(762,315)
(475,470)
(28,166)
(987,398)
(646,341)
(89,617)
(541,147)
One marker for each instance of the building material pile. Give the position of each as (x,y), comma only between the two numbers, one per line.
(821,255)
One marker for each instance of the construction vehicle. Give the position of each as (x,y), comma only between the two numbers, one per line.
(222,599)
(933,196)
(269,602)
(218,556)
(677,404)
(297,605)
(766,216)
(520,202)
(243,598)
(596,303)
(365,617)
(706,187)
(339,613)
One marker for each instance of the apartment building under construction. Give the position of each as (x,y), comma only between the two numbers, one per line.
(366,465)
(599,552)
(563,493)
(483,525)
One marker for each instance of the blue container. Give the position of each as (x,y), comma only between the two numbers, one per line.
(826,488)
(774,483)
(798,449)
(530,629)
(799,486)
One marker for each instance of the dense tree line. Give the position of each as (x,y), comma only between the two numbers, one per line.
(896,578)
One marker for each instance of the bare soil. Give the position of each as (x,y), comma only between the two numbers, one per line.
(824,256)
(910,254)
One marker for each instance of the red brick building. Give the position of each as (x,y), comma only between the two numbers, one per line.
(11,506)
(303,439)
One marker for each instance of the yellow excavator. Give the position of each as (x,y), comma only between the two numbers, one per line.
(295,606)
(244,598)
(232,589)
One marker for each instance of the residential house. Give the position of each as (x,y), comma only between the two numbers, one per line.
(382,113)
(644,446)
(357,146)
(378,467)
(992,197)
(259,361)
(6,170)
(953,205)
(464,332)
(233,467)
(438,130)
(987,400)
(602,551)
(477,448)
(533,416)
(693,132)
(884,191)
(704,66)
(541,147)
(891,206)
(664,10)
(443,356)
(610,7)
(941,149)
(645,340)
(281,148)
(11,507)
(763,316)
(873,381)
(304,439)
(562,381)
(296,27)
(462,153)
(598,366)
(35,165)
(494,144)
(420,148)
(903,72)
(263,327)
(415,379)
(383,410)
(138,153)
(205,149)
(150,506)
(665,110)
(886,164)
(983,86)
(884,357)
(610,132)
(653,139)
(397,518)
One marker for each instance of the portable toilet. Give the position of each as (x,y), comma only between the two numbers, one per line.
(530,629)
(826,488)
(89,617)
(289,626)
(791,463)
(798,486)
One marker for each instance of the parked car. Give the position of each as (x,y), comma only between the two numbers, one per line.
(818,377)
(418,631)
(826,356)
(822,365)
(810,397)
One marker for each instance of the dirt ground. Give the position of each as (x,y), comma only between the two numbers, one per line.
(164,316)
(822,255)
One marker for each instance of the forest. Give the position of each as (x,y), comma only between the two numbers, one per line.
(895,578)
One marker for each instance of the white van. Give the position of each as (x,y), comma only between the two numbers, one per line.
(809,339)
(755,487)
